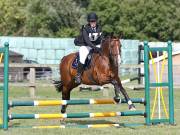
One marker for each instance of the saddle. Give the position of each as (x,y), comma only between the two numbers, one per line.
(87,64)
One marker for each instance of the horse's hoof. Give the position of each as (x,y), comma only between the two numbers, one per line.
(63,111)
(132,107)
(117,99)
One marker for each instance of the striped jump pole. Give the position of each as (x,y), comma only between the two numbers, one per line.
(75,115)
(71,102)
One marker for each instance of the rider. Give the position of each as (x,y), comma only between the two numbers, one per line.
(90,38)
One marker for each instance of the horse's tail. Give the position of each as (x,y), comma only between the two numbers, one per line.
(58,85)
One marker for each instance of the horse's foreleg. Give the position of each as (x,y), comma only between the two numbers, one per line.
(65,96)
(117,97)
(119,88)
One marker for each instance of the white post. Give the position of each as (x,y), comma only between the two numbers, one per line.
(159,97)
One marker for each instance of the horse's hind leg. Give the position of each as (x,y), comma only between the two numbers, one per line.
(65,96)
(119,88)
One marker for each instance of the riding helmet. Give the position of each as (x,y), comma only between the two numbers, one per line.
(92,17)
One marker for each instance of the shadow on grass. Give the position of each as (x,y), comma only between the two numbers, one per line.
(74,122)
(77,123)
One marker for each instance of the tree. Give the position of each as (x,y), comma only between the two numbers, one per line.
(52,18)
(136,19)
(12,17)
(140,19)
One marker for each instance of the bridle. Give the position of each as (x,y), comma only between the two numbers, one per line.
(111,54)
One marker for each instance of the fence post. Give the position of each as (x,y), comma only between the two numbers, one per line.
(32,82)
(6,86)
(146,73)
(170,80)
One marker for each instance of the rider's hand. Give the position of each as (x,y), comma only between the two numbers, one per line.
(98,50)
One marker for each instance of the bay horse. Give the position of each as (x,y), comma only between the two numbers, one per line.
(103,70)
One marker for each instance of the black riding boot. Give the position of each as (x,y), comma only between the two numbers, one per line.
(79,73)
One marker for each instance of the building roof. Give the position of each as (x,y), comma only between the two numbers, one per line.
(12,53)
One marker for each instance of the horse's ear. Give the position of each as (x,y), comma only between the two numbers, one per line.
(105,34)
(100,22)
(112,34)
(121,35)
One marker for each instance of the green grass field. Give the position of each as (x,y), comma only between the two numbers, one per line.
(50,93)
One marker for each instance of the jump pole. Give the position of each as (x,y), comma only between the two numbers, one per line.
(72,102)
(76,115)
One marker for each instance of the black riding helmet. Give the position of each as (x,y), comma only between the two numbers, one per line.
(92,17)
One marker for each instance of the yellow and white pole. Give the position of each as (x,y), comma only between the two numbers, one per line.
(1,57)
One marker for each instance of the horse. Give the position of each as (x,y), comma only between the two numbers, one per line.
(103,70)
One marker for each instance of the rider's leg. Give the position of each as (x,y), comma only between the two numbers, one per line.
(79,73)
(83,53)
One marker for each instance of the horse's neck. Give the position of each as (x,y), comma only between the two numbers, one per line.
(106,53)
(105,50)
(102,63)
(100,58)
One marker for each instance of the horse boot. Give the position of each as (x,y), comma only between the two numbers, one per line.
(79,73)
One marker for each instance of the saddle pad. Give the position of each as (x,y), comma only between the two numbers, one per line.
(87,62)
(75,61)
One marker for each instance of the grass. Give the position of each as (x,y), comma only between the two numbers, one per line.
(20,93)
